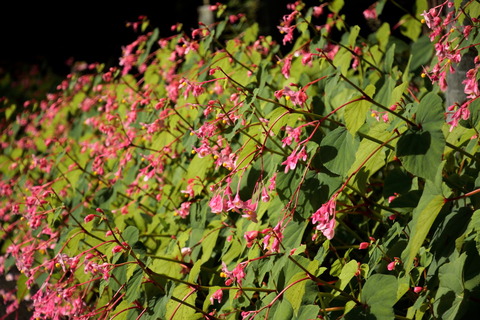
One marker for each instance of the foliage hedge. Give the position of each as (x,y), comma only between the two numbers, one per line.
(222,177)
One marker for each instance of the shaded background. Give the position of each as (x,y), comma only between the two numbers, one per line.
(48,34)
(43,33)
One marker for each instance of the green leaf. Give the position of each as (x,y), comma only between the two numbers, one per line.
(430,112)
(397,93)
(424,215)
(342,60)
(450,294)
(293,233)
(151,40)
(210,237)
(348,272)
(245,156)
(250,34)
(194,271)
(278,118)
(473,9)
(295,293)
(384,95)
(422,51)
(198,167)
(352,37)
(133,291)
(388,59)
(120,310)
(336,5)
(474,226)
(403,286)
(104,197)
(233,251)
(130,235)
(380,294)
(369,156)
(421,152)
(177,310)
(397,181)
(337,151)
(157,306)
(356,112)
(9,111)
(307,312)
(284,310)
(410,27)
(382,35)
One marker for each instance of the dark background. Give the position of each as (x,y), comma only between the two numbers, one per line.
(43,33)
(48,33)
(93,31)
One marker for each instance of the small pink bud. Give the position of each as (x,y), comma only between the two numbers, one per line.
(396,261)
(363,245)
(108,233)
(217,295)
(391,266)
(186,251)
(89,218)
(417,289)
(99,210)
(117,249)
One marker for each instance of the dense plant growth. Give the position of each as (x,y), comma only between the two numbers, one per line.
(214,175)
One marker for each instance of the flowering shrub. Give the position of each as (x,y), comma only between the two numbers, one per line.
(218,177)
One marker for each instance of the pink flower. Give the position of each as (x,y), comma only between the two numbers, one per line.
(331,50)
(307,58)
(273,238)
(391,266)
(186,251)
(471,84)
(265,196)
(237,274)
(117,249)
(363,245)
(184,210)
(418,289)
(356,57)
(217,295)
(324,218)
(298,97)
(272,184)
(391,198)
(236,203)
(250,210)
(317,11)
(250,236)
(467,30)
(292,135)
(396,261)
(287,64)
(371,12)
(462,113)
(189,191)
(293,158)
(431,18)
(89,218)
(216,204)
